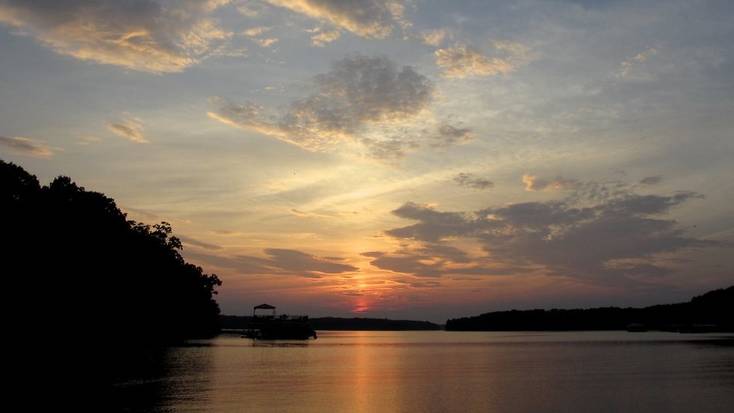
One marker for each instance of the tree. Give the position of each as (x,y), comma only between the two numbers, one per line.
(79,269)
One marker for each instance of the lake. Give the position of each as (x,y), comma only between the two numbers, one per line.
(438,371)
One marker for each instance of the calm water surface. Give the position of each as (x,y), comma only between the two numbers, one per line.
(444,372)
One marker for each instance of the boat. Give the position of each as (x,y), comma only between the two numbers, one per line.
(271,326)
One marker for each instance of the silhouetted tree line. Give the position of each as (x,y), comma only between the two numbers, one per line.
(83,277)
(709,312)
(233,322)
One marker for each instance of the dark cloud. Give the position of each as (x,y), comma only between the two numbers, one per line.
(297,261)
(26,146)
(442,135)
(651,180)
(438,259)
(533,183)
(449,135)
(472,181)
(197,243)
(616,238)
(357,92)
(389,150)
(432,225)
(146,35)
(279,261)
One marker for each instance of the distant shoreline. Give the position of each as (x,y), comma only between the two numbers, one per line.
(234,322)
(708,313)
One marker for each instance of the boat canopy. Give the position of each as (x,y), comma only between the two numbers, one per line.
(264,307)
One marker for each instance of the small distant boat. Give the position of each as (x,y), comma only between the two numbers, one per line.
(273,327)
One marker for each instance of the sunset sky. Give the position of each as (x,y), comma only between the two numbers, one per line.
(418,159)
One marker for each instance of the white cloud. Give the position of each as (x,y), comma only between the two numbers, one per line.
(255,31)
(434,37)
(366,18)
(143,35)
(321,38)
(461,61)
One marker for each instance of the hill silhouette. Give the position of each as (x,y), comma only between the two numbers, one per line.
(709,312)
(89,287)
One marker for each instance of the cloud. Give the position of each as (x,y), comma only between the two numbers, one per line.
(358,91)
(266,42)
(472,181)
(436,260)
(449,135)
(365,18)
(249,8)
(197,243)
(651,180)
(255,31)
(389,150)
(26,147)
(441,135)
(144,35)
(434,37)
(631,68)
(256,35)
(297,261)
(88,140)
(280,261)
(533,183)
(461,61)
(433,225)
(620,239)
(321,38)
(129,128)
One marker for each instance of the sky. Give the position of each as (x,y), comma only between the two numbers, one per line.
(404,159)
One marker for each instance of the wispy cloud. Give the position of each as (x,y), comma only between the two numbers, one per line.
(321,38)
(258,35)
(129,128)
(651,180)
(143,35)
(434,37)
(533,183)
(366,18)
(630,68)
(88,140)
(462,61)
(357,92)
(27,147)
(472,181)
(185,240)
(279,261)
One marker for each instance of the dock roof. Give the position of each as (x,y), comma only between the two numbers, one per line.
(264,307)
